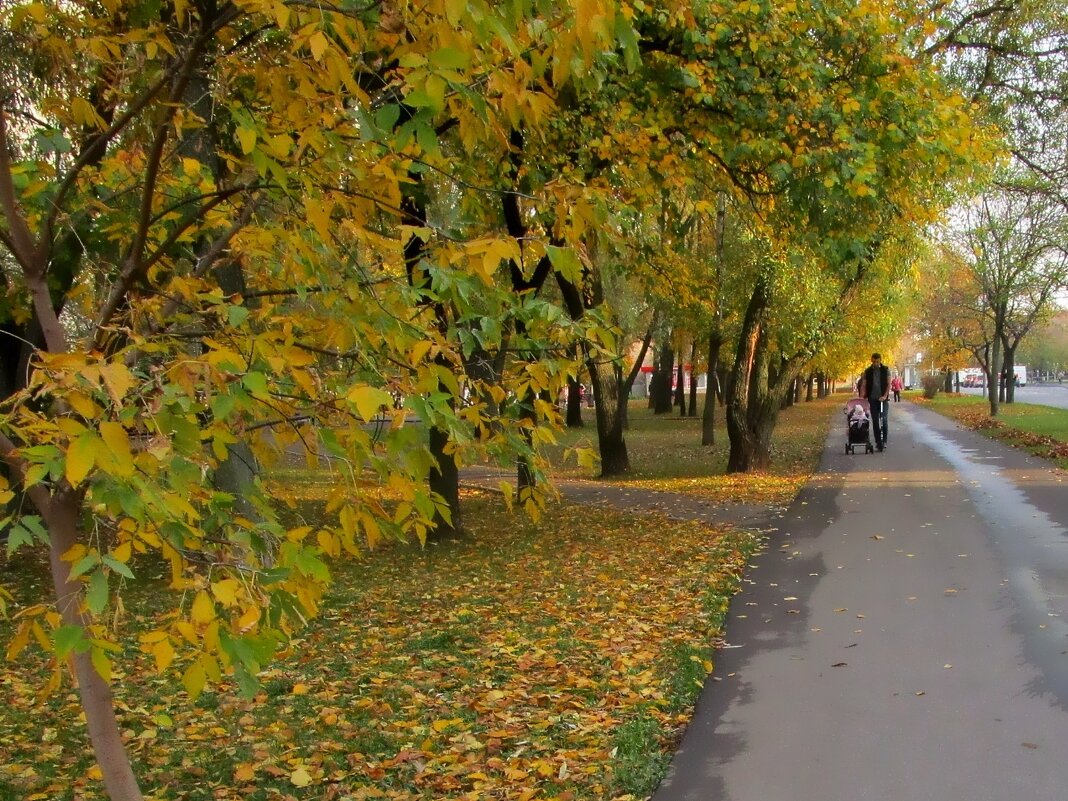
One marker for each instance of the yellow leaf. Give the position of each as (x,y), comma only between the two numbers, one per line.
(163,652)
(300,777)
(369,400)
(185,628)
(249,619)
(80,458)
(247,138)
(101,663)
(300,689)
(19,641)
(245,772)
(318,44)
(118,443)
(203,611)
(122,552)
(318,214)
(281,15)
(82,404)
(226,591)
(194,679)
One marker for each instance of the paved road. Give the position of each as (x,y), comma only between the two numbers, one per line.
(904,638)
(1042,394)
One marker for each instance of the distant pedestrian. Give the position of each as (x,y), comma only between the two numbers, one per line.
(895,387)
(875,386)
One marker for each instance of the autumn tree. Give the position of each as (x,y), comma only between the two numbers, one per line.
(213,235)
(1012,241)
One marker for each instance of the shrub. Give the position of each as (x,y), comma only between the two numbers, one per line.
(931,385)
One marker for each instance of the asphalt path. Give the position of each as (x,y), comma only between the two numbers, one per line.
(904,637)
(1042,394)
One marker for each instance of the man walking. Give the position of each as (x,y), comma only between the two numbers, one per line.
(875,386)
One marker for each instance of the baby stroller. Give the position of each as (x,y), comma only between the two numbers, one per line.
(858,425)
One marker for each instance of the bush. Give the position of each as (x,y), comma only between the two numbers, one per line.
(931,385)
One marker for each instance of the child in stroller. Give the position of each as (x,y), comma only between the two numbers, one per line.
(858,425)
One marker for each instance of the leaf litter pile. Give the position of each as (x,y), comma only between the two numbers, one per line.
(549,661)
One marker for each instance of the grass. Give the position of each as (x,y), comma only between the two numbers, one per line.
(1040,430)
(549,660)
(666,454)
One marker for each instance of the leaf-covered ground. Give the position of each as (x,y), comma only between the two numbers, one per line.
(557,660)
(666,454)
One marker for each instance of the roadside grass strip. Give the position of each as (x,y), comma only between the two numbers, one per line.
(1040,430)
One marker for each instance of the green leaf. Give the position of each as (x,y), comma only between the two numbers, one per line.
(565,262)
(84,565)
(118,567)
(449,58)
(237,315)
(256,384)
(52,141)
(33,523)
(17,535)
(387,116)
(68,639)
(96,595)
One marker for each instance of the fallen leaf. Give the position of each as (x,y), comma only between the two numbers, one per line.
(245,772)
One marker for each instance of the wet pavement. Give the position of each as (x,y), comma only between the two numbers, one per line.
(904,636)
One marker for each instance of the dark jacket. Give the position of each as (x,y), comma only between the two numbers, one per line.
(884,382)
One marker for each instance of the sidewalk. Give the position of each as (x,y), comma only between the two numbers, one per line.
(904,637)
(677,505)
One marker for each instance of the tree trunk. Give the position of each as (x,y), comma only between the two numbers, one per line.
(574,403)
(604,379)
(680,387)
(628,383)
(993,381)
(444,476)
(662,403)
(526,477)
(752,409)
(610,440)
(484,368)
(61,516)
(693,379)
(444,480)
(708,415)
(1010,373)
